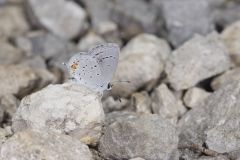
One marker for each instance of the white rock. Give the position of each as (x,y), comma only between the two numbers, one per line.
(12,21)
(228,77)
(110,104)
(141,62)
(166,104)
(9,103)
(231,37)
(35,145)
(17,80)
(67,108)
(197,59)
(141,102)
(67,21)
(9,54)
(195,96)
(90,40)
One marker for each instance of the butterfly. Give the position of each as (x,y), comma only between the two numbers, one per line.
(95,68)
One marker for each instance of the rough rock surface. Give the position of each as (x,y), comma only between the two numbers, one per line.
(16,79)
(179,23)
(9,54)
(227,77)
(198,59)
(9,104)
(194,96)
(12,21)
(215,122)
(99,11)
(165,104)
(134,17)
(149,136)
(42,44)
(67,21)
(37,145)
(141,102)
(110,104)
(68,108)
(90,40)
(141,62)
(231,37)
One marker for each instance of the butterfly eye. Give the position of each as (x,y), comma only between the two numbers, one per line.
(109,86)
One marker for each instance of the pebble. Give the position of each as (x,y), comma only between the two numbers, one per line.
(12,21)
(37,145)
(231,37)
(196,60)
(67,21)
(141,62)
(166,104)
(66,108)
(149,136)
(194,96)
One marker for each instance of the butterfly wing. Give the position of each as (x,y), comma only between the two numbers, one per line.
(85,70)
(107,56)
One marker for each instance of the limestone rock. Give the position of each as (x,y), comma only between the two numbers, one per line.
(165,104)
(141,62)
(149,136)
(12,21)
(37,145)
(64,108)
(67,21)
(198,59)
(194,96)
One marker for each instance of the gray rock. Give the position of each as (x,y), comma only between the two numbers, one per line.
(214,122)
(1,113)
(37,145)
(110,32)
(185,18)
(12,21)
(141,102)
(141,62)
(150,137)
(213,158)
(9,54)
(198,59)
(166,104)
(42,44)
(134,17)
(118,115)
(194,96)
(89,40)
(99,11)
(56,63)
(40,68)
(138,158)
(67,108)
(67,21)
(4,134)
(226,78)
(9,104)
(227,13)
(231,37)
(7,2)
(110,104)
(18,80)
(224,137)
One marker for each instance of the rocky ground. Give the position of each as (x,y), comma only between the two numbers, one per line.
(181,56)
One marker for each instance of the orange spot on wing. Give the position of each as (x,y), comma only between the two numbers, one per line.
(74,66)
